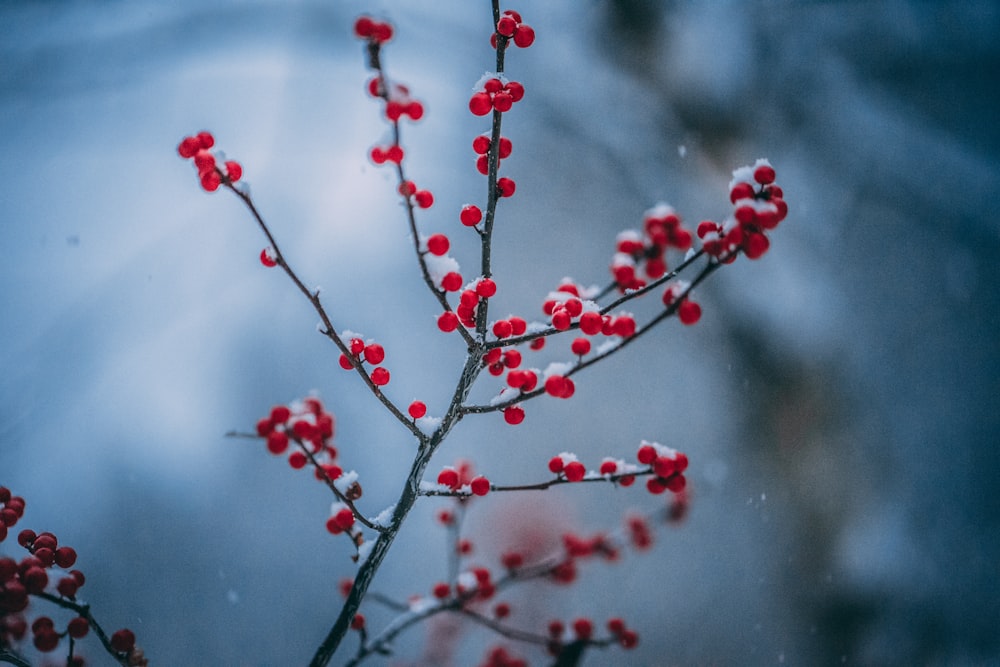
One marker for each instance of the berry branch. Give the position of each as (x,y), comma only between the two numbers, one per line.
(638,267)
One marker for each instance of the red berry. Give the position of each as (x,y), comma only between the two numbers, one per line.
(646,454)
(205,139)
(506,187)
(501,329)
(481,144)
(480,104)
(233,171)
(447,321)
(358,622)
(764,174)
(345,362)
(188,147)
(574,471)
(438,244)
(277,442)
(78,627)
(480,486)
(471,215)
(374,353)
(506,26)
(503,101)
(46,640)
(394,154)
(516,91)
(486,288)
(448,477)
(524,36)
(506,147)
(741,191)
(65,557)
(417,409)
(364,27)
(415,110)
(561,319)
(451,282)
(380,376)
(583,628)
(211,181)
(580,346)
(424,198)
(513,415)
(688,312)
(297,460)
(123,640)
(608,467)
(267,258)
(441,590)
(518,325)
(590,322)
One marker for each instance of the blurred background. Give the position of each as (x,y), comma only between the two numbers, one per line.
(838,399)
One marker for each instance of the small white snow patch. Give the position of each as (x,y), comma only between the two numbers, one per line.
(557,368)
(344,482)
(364,551)
(428,425)
(384,518)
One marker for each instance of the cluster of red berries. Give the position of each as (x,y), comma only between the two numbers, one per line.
(495,94)
(393,153)
(197,148)
(410,191)
(667,464)
(566,307)
(511,27)
(646,252)
(758,206)
(398,102)
(499,656)
(31,576)
(468,303)
(341,519)
(308,424)
(378,32)
(688,312)
(370,353)
(481,145)
(11,509)
(460,478)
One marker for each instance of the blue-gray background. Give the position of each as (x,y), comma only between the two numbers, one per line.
(838,399)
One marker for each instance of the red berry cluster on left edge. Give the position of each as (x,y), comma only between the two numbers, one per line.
(197,148)
(33,576)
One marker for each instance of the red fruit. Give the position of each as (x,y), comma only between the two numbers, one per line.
(559,386)
(574,471)
(517,325)
(277,442)
(394,154)
(451,282)
(480,104)
(561,320)
(441,590)
(447,321)
(297,460)
(764,174)
(424,198)
(741,191)
(583,628)
(35,579)
(415,110)
(688,312)
(609,467)
(364,27)
(205,139)
(502,329)
(516,90)
(513,415)
(344,518)
(524,36)
(755,245)
(46,640)
(67,587)
(234,171)
(471,215)
(556,464)
(267,258)
(486,288)
(358,622)
(374,353)
(480,486)
(503,101)
(506,26)
(438,244)
(580,346)
(78,627)
(512,560)
(511,358)
(417,409)
(123,640)
(493,86)
(506,187)
(188,147)
(590,322)
(676,483)
(481,144)
(646,454)
(380,376)
(65,557)
(210,181)
(506,147)
(448,477)
(345,362)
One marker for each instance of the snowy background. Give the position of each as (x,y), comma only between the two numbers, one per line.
(838,400)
